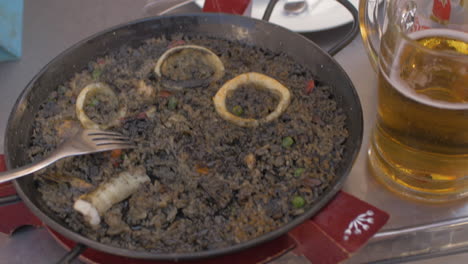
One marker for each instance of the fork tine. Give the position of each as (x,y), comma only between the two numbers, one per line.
(107,140)
(96,132)
(118,143)
(106,147)
(118,138)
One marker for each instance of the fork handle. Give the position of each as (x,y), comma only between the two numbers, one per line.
(28,169)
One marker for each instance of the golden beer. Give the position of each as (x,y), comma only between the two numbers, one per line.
(420,143)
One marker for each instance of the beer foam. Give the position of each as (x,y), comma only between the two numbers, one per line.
(401,86)
(437,32)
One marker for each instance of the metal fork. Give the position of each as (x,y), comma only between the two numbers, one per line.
(83,142)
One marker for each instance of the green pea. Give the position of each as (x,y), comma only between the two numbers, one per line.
(62,89)
(97,73)
(172,103)
(287,142)
(94,102)
(237,110)
(298,202)
(298,172)
(233,210)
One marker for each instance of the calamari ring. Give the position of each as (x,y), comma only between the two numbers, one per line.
(260,80)
(213,59)
(92,89)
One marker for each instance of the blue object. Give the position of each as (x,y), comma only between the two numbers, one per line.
(11,29)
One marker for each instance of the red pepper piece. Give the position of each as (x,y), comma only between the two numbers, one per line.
(310,87)
(164,94)
(101,61)
(116,163)
(175,43)
(116,153)
(202,170)
(142,115)
(122,120)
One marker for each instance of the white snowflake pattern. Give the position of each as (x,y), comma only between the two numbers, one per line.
(443,2)
(361,221)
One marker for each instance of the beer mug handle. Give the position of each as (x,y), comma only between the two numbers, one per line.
(371,12)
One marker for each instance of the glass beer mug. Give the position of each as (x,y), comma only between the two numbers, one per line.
(419,146)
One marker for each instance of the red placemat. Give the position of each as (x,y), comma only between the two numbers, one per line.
(338,230)
(14,215)
(260,254)
(6,189)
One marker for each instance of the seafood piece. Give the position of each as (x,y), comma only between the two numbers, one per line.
(67,128)
(89,98)
(93,205)
(188,66)
(250,161)
(145,90)
(71,180)
(260,80)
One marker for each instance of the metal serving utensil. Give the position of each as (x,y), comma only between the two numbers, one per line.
(295,7)
(161,7)
(85,141)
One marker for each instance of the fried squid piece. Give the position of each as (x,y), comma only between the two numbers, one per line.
(260,80)
(93,205)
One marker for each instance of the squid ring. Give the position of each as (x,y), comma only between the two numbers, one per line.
(211,57)
(91,89)
(261,80)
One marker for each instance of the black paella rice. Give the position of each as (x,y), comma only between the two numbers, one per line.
(213,183)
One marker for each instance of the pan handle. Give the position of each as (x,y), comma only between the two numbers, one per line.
(269,9)
(352,33)
(7,189)
(14,198)
(72,254)
(346,39)
(161,7)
